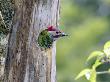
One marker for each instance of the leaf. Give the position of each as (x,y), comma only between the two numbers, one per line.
(93,76)
(94,54)
(88,75)
(107,52)
(82,73)
(97,63)
(93,71)
(107,48)
(107,45)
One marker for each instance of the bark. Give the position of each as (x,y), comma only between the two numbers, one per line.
(26,61)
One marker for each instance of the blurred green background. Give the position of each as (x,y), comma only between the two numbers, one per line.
(88,24)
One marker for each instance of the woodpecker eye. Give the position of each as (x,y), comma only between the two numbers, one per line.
(57,32)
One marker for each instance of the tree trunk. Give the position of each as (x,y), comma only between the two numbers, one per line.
(26,61)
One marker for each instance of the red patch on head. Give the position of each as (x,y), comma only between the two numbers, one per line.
(51,28)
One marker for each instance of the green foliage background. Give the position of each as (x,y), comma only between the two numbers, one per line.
(87,23)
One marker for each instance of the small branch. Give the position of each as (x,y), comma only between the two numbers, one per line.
(103,72)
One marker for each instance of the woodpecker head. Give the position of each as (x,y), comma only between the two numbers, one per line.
(56,33)
(48,36)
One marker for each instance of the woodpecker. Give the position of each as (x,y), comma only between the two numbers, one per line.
(48,36)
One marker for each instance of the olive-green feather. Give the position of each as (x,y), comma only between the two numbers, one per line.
(45,39)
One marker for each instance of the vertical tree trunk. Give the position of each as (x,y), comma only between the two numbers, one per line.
(25,61)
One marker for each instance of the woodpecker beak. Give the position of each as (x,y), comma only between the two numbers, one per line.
(60,35)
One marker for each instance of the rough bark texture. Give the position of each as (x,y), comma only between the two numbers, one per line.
(25,61)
